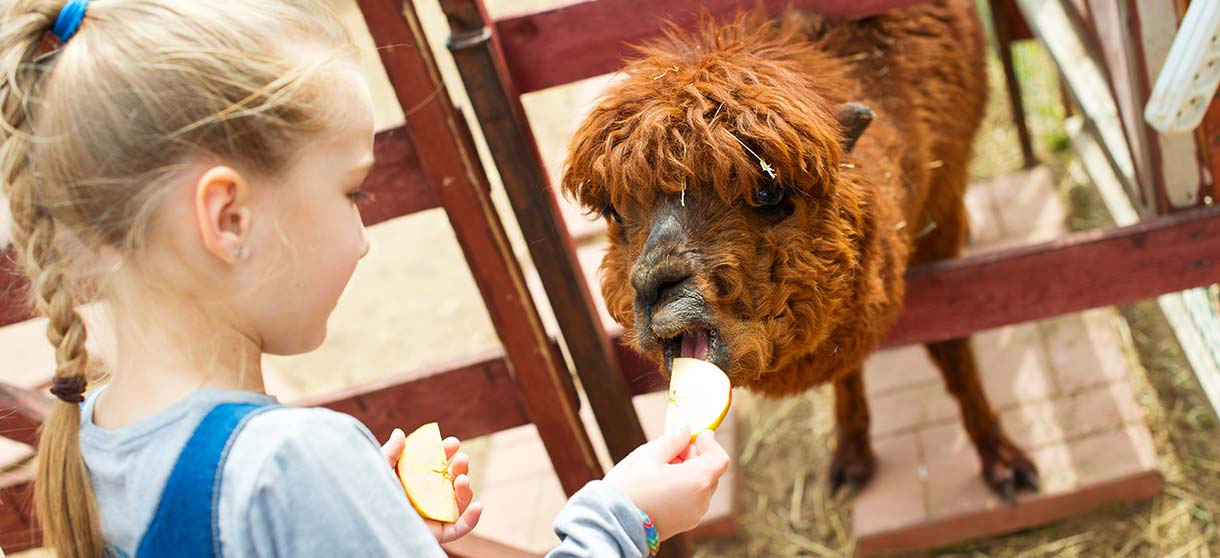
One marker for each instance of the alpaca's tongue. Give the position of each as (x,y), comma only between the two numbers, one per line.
(695,344)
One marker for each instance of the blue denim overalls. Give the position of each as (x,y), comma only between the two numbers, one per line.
(185,524)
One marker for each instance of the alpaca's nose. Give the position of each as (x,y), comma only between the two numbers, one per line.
(658,283)
(660,270)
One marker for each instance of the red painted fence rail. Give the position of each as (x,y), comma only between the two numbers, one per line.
(569,43)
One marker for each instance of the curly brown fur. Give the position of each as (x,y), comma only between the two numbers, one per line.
(737,216)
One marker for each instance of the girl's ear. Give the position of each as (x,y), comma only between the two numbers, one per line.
(222,213)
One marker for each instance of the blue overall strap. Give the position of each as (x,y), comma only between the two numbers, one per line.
(185,523)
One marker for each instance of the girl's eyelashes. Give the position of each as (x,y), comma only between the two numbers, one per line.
(361,197)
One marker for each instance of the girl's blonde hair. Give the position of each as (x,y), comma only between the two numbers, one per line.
(92,132)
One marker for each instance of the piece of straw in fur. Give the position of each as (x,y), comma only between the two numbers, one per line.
(762,163)
(665,73)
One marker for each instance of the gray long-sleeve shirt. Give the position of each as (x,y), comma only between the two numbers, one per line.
(305,482)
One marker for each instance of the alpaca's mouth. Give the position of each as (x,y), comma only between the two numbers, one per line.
(698,343)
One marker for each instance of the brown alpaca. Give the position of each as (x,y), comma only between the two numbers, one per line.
(753,225)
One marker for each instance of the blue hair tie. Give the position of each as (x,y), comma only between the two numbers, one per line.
(69,19)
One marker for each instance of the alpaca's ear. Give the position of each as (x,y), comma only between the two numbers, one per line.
(855,118)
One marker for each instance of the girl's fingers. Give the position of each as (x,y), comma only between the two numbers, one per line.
(692,451)
(712,452)
(465,524)
(460,465)
(452,445)
(394,446)
(463,492)
(437,529)
(445,533)
(672,444)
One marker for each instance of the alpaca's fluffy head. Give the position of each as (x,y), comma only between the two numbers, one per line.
(734,234)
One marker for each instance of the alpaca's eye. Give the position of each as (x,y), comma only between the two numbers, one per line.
(608,212)
(768,197)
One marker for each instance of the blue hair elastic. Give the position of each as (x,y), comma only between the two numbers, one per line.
(69,19)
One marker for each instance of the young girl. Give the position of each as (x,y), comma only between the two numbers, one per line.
(195,167)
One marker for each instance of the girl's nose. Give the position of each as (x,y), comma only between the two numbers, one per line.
(364,238)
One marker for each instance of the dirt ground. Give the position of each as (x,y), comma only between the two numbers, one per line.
(412,303)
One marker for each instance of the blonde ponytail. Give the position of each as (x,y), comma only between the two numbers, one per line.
(63,496)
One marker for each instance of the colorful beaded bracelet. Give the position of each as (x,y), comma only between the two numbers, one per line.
(650,530)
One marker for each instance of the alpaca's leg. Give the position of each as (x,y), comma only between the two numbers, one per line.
(1005,467)
(853,463)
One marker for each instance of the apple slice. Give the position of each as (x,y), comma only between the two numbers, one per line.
(424,473)
(699,394)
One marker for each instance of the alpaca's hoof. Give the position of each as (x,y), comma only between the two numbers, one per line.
(852,467)
(1008,471)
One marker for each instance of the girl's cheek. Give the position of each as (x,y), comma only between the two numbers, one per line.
(341,246)
(343,261)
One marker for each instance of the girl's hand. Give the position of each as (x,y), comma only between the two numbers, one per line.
(459,464)
(671,479)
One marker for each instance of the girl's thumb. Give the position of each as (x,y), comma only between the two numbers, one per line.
(673,443)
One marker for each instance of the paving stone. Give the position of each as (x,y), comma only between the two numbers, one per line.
(908,409)
(984,219)
(1011,361)
(898,495)
(1105,407)
(1086,435)
(1084,349)
(897,368)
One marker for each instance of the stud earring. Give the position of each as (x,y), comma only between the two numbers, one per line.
(239,252)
